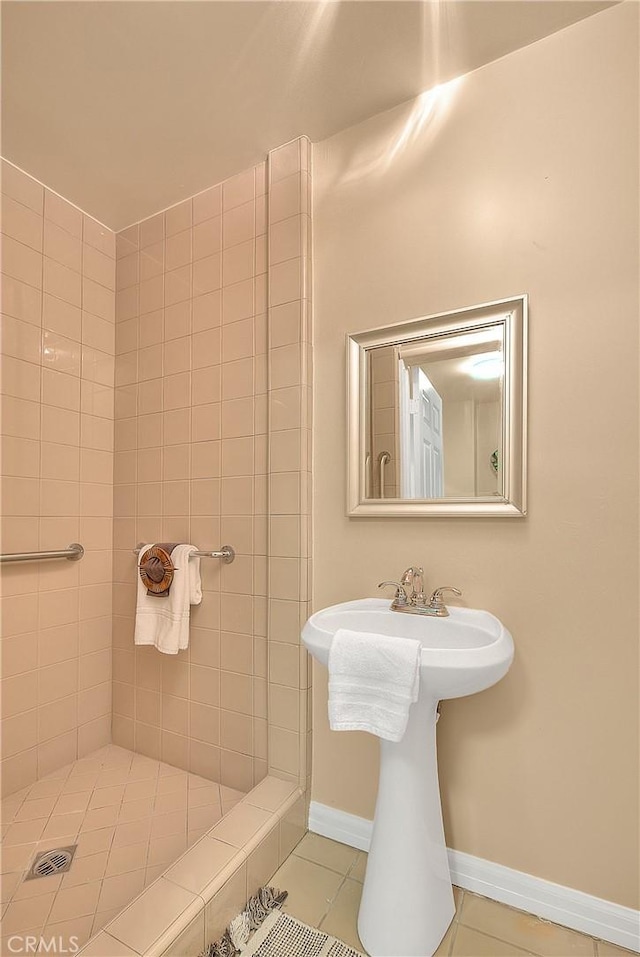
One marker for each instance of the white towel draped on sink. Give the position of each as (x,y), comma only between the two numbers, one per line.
(373,681)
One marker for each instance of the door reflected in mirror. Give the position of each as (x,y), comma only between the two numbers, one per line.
(436,412)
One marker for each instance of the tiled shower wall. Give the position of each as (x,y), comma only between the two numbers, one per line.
(205,450)
(57,446)
(290,412)
(384,421)
(191,465)
(213,419)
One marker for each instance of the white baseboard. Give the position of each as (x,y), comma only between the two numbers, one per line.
(562,905)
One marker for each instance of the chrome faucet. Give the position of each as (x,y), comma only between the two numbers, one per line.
(414,578)
(410,597)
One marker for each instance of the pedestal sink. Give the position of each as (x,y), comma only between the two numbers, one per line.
(407,900)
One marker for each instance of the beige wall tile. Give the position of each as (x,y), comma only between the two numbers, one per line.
(206,350)
(262,862)
(238,263)
(238,378)
(204,722)
(178,284)
(147,918)
(285,198)
(64,214)
(205,421)
(207,311)
(238,189)
(238,301)
(60,390)
(98,236)
(204,759)
(151,230)
(21,262)
(21,223)
(22,187)
(98,267)
(237,417)
(57,752)
(207,204)
(178,249)
(236,692)
(207,238)
(57,718)
(98,332)
(20,340)
(226,903)
(238,454)
(20,379)
(285,406)
(285,160)
(286,239)
(177,391)
(206,385)
(239,224)
(177,356)
(62,282)
(236,732)
(62,246)
(178,218)
(284,750)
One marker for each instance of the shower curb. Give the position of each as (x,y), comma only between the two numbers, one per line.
(184,908)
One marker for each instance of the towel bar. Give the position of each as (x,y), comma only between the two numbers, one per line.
(226,553)
(74,553)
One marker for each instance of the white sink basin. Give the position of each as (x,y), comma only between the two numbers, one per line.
(407,900)
(462,654)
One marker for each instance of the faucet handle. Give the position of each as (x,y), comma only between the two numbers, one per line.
(436,601)
(401,597)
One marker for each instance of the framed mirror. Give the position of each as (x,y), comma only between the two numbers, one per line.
(437,415)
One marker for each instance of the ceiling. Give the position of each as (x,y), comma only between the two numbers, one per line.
(128,107)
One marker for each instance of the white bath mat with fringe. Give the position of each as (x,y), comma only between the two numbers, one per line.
(283,936)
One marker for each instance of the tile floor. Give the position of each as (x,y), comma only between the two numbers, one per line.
(130,816)
(324,880)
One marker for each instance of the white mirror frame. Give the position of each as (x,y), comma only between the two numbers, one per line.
(513,501)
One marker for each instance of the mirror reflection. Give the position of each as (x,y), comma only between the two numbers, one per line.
(434,416)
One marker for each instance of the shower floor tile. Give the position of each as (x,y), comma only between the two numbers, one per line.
(131,817)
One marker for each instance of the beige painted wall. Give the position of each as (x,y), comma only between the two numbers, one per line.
(526,180)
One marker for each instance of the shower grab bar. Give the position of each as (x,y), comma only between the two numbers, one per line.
(383,459)
(73,554)
(226,553)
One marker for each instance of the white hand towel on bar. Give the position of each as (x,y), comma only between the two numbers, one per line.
(373,681)
(164,622)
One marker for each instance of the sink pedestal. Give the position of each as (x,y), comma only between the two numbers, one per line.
(407,900)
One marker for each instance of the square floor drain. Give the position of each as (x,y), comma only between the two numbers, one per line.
(52,862)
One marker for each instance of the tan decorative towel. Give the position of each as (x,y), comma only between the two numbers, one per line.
(156,569)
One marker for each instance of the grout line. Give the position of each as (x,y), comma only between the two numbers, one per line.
(331,901)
